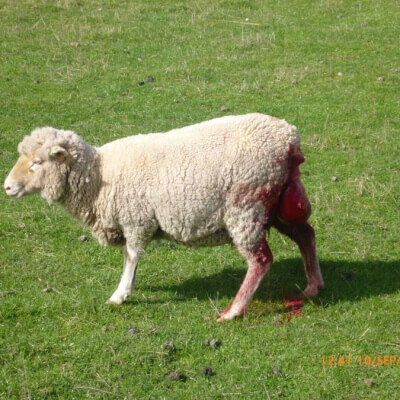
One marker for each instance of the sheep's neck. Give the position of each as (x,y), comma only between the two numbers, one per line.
(83,185)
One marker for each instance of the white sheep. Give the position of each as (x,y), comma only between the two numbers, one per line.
(227,180)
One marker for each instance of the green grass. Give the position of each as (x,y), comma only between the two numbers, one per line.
(330,67)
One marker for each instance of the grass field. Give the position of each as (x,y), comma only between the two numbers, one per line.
(330,67)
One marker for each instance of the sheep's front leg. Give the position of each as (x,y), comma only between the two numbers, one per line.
(259,261)
(124,290)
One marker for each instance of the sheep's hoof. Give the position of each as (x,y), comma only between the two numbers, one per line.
(231,312)
(113,302)
(311,291)
(117,298)
(221,318)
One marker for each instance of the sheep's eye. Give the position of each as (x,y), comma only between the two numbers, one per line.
(34,164)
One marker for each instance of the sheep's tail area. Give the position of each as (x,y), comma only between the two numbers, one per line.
(293,205)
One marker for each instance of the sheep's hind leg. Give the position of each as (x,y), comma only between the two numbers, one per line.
(124,290)
(303,235)
(259,259)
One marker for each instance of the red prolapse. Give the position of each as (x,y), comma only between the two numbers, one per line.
(294,207)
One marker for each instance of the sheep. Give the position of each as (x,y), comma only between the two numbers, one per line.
(227,180)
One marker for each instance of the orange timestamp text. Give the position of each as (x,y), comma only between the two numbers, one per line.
(367,360)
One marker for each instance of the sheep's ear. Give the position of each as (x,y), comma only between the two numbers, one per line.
(58,152)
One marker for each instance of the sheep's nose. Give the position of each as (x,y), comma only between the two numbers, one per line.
(7,185)
(12,189)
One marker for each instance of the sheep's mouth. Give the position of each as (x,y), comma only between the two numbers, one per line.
(15,192)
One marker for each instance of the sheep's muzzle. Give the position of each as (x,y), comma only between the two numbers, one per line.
(15,182)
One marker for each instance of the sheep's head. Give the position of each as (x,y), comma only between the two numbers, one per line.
(45,158)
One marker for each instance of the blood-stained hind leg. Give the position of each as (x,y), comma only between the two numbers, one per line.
(259,260)
(293,211)
(303,235)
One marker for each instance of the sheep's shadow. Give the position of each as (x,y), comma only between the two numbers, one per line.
(344,280)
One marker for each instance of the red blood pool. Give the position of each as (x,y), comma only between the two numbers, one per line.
(294,307)
(294,206)
(293,304)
